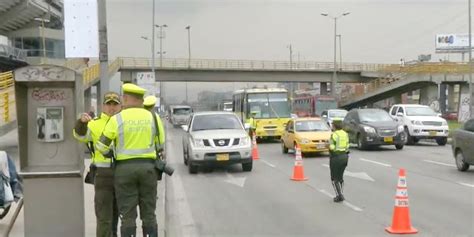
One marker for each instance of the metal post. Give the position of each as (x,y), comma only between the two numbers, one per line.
(291,57)
(44,40)
(334,75)
(103,52)
(471,83)
(161,46)
(153,41)
(189,45)
(340,52)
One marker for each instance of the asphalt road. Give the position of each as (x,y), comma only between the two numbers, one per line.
(265,202)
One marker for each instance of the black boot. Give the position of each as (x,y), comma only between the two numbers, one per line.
(341,186)
(337,189)
(128,231)
(150,231)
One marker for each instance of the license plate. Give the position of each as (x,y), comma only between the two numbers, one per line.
(270,132)
(321,146)
(222,157)
(433,133)
(388,139)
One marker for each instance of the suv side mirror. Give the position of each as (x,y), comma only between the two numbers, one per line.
(185,127)
(247,126)
(439,115)
(399,114)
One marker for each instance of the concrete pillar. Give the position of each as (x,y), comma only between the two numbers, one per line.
(442,98)
(99,99)
(126,76)
(451,98)
(88,99)
(429,95)
(324,88)
(464,103)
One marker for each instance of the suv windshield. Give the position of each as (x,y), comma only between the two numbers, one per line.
(337,114)
(419,111)
(215,121)
(310,126)
(374,116)
(182,111)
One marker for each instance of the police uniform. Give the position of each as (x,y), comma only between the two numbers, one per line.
(253,125)
(105,203)
(133,134)
(149,103)
(339,149)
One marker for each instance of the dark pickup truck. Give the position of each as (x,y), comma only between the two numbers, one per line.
(463,145)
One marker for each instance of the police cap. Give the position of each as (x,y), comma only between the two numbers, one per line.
(149,101)
(133,89)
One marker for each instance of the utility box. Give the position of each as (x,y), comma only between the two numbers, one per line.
(48,99)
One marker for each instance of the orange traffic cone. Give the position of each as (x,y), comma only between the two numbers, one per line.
(254,147)
(298,171)
(401,213)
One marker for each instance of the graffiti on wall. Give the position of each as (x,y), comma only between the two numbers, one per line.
(464,105)
(47,94)
(42,73)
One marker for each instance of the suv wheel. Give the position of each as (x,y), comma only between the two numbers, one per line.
(442,141)
(185,156)
(399,146)
(247,167)
(284,149)
(360,143)
(193,169)
(410,139)
(460,164)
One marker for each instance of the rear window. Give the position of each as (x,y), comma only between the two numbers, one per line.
(311,126)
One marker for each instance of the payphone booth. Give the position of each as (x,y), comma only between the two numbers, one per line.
(48,98)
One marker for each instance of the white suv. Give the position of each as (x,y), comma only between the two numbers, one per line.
(420,122)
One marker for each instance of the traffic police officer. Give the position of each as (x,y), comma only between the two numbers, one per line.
(253,124)
(339,150)
(133,134)
(149,104)
(88,130)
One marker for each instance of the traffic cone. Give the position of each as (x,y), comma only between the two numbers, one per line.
(298,171)
(254,147)
(401,213)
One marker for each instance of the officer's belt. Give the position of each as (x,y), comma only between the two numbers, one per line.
(136,160)
(103,165)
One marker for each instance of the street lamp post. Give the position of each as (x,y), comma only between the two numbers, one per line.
(340,52)
(334,75)
(189,45)
(161,42)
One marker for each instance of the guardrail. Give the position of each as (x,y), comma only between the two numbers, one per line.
(7,98)
(430,68)
(12,53)
(227,64)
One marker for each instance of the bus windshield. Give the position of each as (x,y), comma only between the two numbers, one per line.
(182,111)
(269,105)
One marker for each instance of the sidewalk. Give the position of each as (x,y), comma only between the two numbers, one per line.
(9,143)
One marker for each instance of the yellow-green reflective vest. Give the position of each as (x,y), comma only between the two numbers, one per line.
(339,141)
(94,130)
(133,132)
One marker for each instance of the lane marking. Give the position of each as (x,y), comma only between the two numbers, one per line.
(268,163)
(359,175)
(376,162)
(439,163)
(238,181)
(466,184)
(346,203)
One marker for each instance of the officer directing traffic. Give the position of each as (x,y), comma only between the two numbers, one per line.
(339,155)
(133,132)
(88,130)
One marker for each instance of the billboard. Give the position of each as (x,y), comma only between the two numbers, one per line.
(81,30)
(450,43)
(147,81)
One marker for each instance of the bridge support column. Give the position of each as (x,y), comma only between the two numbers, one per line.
(324,88)
(126,76)
(88,99)
(397,99)
(429,95)
(464,103)
(442,98)
(452,98)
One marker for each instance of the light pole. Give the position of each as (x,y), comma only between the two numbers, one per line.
(42,20)
(471,83)
(334,75)
(340,52)
(161,37)
(189,45)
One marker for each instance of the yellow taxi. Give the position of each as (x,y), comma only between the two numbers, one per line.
(312,134)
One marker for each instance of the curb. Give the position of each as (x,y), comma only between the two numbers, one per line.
(162,206)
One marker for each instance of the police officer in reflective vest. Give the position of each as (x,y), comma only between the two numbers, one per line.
(88,130)
(149,104)
(253,124)
(339,155)
(133,134)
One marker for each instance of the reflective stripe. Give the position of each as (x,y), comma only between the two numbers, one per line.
(102,148)
(85,138)
(103,165)
(120,130)
(153,129)
(135,151)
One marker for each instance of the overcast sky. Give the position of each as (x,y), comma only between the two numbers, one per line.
(376,31)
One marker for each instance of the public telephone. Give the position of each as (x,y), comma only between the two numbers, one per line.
(50,124)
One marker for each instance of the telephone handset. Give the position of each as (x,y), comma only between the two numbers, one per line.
(50,124)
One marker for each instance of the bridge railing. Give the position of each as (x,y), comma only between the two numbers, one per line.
(12,53)
(227,64)
(7,98)
(430,68)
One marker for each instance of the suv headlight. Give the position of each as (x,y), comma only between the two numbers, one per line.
(416,122)
(368,129)
(304,141)
(244,141)
(199,143)
(401,129)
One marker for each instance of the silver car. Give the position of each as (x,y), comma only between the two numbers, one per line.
(216,138)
